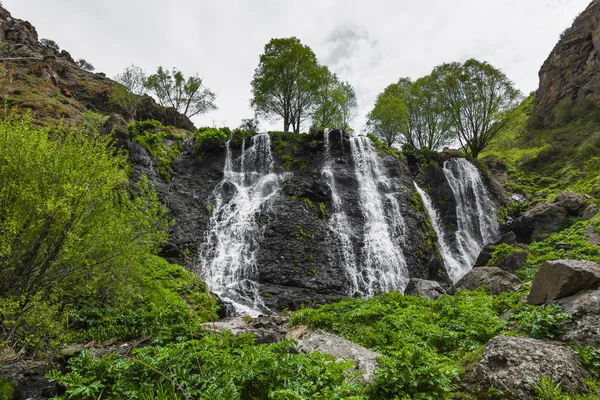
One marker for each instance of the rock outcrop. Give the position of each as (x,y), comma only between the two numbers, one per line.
(340,348)
(511,366)
(496,279)
(572,71)
(583,328)
(424,288)
(562,278)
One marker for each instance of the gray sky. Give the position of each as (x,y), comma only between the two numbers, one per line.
(368,43)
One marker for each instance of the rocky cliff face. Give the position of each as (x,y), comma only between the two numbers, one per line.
(299,256)
(572,71)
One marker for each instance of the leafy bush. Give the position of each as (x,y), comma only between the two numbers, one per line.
(84,64)
(151,135)
(541,322)
(212,367)
(49,44)
(70,222)
(590,357)
(500,251)
(208,135)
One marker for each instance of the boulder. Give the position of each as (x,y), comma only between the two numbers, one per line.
(496,279)
(486,253)
(513,365)
(583,328)
(590,212)
(593,237)
(424,288)
(574,203)
(562,278)
(340,348)
(547,217)
(513,261)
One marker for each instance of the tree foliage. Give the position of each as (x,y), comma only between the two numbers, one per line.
(128,89)
(84,64)
(477,99)
(68,218)
(336,104)
(388,118)
(188,96)
(286,82)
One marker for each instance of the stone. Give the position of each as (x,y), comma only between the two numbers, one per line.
(496,279)
(583,328)
(485,254)
(593,237)
(562,278)
(590,212)
(574,203)
(424,288)
(513,261)
(513,365)
(548,217)
(340,348)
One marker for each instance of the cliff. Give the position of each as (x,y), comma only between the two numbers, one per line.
(572,70)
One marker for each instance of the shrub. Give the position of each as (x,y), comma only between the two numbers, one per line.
(208,135)
(500,251)
(541,322)
(84,64)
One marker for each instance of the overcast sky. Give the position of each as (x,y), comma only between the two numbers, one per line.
(367,43)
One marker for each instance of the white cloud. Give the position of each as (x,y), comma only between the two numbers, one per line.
(370,44)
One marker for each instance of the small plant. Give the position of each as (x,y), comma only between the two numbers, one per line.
(49,44)
(541,322)
(209,208)
(547,389)
(590,357)
(6,389)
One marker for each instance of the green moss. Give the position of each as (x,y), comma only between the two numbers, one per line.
(151,135)
(500,251)
(209,208)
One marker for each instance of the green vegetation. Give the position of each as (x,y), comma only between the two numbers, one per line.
(500,251)
(77,245)
(128,89)
(152,136)
(6,389)
(211,367)
(187,96)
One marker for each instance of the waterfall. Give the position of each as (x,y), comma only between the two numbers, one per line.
(228,255)
(456,267)
(475,213)
(383,266)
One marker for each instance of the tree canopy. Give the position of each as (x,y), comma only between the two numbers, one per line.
(336,104)
(388,118)
(476,101)
(188,96)
(287,81)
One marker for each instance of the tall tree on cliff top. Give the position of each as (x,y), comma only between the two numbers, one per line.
(388,118)
(188,96)
(336,104)
(128,89)
(286,82)
(477,99)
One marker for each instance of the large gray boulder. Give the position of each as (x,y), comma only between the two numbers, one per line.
(562,278)
(424,288)
(583,328)
(512,365)
(340,348)
(496,279)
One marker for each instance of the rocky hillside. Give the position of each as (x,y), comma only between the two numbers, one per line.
(36,76)
(572,70)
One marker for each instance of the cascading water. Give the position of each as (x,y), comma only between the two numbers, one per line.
(228,255)
(475,213)
(455,266)
(382,263)
(339,225)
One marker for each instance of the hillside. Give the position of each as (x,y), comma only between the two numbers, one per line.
(154,260)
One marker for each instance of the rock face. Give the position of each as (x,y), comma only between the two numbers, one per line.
(584,326)
(510,262)
(340,348)
(544,218)
(423,288)
(512,365)
(266,329)
(572,69)
(562,278)
(496,279)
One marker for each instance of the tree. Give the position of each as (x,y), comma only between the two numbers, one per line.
(128,90)
(188,96)
(286,82)
(427,125)
(49,44)
(250,125)
(336,104)
(476,100)
(84,64)
(388,118)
